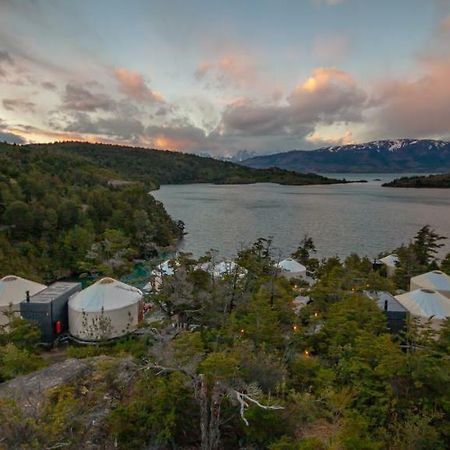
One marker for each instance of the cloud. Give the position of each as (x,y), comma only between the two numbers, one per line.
(328,96)
(8,136)
(5,59)
(78,98)
(124,128)
(134,86)
(231,69)
(319,140)
(48,85)
(419,107)
(18,104)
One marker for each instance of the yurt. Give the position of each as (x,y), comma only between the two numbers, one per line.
(390,262)
(426,304)
(165,268)
(105,310)
(290,268)
(13,290)
(227,267)
(434,280)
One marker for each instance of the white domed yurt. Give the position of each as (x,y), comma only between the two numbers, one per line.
(156,276)
(290,268)
(105,310)
(434,280)
(390,262)
(13,290)
(426,304)
(226,267)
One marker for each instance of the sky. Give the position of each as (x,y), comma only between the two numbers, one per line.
(222,77)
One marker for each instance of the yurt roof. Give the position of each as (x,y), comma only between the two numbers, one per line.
(390,260)
(164,268)
(437,280)
(226,267)
(425,303)
(291,265)
(106,294)
(13,289)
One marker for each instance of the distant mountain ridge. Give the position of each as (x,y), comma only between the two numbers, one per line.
(399,155)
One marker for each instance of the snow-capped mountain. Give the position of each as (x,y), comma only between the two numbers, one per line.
(399,155)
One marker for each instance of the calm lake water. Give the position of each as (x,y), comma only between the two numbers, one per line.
(363,217)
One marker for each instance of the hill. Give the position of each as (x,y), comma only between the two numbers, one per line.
(430,181)
(388,156)
(60,216)
(165,167)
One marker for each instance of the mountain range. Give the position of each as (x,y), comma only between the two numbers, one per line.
(388,156)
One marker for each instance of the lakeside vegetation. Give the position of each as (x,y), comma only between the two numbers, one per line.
(166,167)
(422,181)
(231,364)
(60,216)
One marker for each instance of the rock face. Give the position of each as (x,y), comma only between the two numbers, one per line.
(96,384)
(390,156)
(30,390)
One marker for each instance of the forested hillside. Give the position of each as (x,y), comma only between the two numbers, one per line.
(429,181)
(164,167)
(59,216)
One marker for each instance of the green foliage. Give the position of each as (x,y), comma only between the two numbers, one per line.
(62,216)
(342,380)
(422,181)
(164,167)
(15,361)
(160,411)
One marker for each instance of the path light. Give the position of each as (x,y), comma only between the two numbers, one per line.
(306,353)
(316,314)
(295,327)
(242,331)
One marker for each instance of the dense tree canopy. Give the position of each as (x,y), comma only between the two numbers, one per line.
(60,216)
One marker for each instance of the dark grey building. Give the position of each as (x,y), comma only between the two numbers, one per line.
(49,309)
(395,313)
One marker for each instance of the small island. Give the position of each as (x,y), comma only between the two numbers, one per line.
(422,181)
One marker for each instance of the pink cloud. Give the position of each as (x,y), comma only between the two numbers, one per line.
(134,86)
(418,107)
(233,68)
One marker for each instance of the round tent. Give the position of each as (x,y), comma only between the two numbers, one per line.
(105,310)
(290,268)
(390,261)
(427,304)
(156,276)
(434,280)
(13,290)
(226,267)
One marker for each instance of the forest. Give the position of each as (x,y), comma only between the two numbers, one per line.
(166,167)
(61,216)
(422,181)
(230,363)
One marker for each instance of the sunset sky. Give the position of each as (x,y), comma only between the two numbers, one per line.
(222,76)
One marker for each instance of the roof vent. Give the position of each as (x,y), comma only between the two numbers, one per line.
(428,291)
(438,272)
(106,281)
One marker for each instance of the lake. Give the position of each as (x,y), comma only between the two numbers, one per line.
(365,218)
